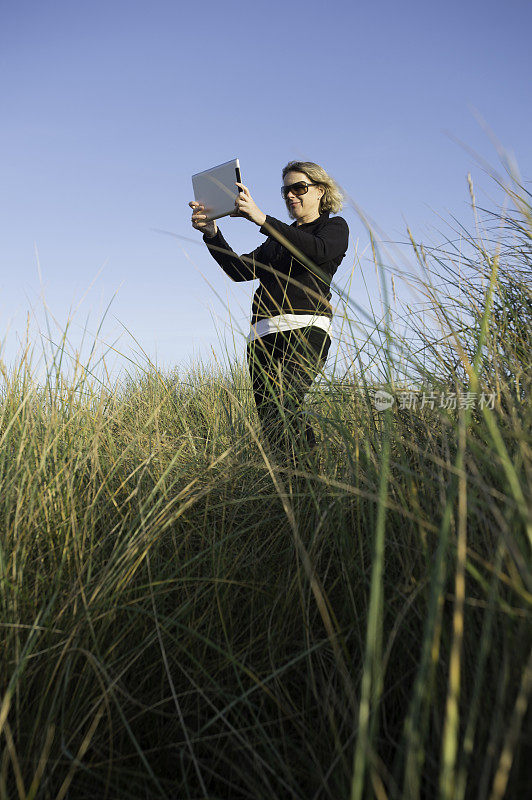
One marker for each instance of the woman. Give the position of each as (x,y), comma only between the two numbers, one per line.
(291,312)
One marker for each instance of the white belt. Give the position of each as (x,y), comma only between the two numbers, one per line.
(288,322)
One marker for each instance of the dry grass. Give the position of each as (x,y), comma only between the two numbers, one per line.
(183,616)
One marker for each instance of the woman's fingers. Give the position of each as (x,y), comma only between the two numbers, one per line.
(199,220)
(197,216)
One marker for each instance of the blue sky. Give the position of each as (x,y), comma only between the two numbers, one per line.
(108,108)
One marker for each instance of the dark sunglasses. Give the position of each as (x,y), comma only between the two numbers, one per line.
(296,188)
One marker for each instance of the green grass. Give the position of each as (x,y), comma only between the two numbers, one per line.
(182,615)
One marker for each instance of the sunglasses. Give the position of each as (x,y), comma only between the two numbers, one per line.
(296,188)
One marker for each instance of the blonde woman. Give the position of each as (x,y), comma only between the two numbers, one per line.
(291,312)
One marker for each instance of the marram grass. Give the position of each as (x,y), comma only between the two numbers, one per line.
(184,616)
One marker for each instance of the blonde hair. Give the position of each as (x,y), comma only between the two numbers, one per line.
(332,198)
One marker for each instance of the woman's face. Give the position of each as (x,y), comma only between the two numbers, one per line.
(304,208)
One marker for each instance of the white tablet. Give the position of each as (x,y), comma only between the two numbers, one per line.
(215,188)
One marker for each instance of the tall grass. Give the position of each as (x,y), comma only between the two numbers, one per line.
(184,615)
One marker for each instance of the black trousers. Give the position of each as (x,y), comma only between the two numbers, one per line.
(282,367)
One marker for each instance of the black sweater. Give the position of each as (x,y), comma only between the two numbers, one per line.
(295,265)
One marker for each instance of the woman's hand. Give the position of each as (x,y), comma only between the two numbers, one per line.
(246,207)
(200,222)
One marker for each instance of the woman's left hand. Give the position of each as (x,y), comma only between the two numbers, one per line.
(246,207)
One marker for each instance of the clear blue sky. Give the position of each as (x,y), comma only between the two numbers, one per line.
(107,109)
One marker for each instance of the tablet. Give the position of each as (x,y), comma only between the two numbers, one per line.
(215,188)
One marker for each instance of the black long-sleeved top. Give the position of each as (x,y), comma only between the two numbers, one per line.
(295,265)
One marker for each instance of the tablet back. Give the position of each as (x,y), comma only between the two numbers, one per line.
(215,188)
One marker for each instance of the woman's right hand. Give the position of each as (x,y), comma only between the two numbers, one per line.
(200,222)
